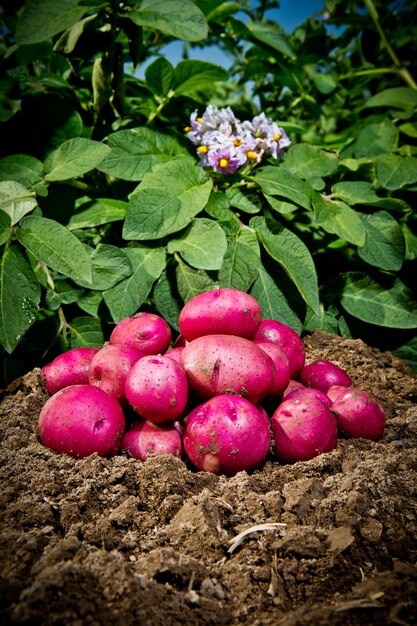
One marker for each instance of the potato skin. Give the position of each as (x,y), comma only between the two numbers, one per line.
(226,435)
(82,419)
(287,339)
(219,364)
(148,332)
(69,368)
(359,414)
(156,387)
(223,311)
(303,427)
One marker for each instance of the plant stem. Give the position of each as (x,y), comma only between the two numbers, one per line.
(160,106)
(402,71)
(63,324)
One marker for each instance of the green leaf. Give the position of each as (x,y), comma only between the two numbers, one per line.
(410,243)
(271,35)
(241,200)
(110,265)
(179,18)
(196,75)
(166,299)
(16,200)
(337,218)
(69,39)
(409,129)
(202,245)
(159,76)
(52,244)
(86,332)
(273,301)
(394,172)
(355,192)
(277,181)
(8,107)
(385,244)
(402,100)
(19,297)
(293,256)
(325,83)
(21,168)
(307,161)
(218,206)
(42,19)
(241,261)
(67,292)
(280,206)
(128,296)
(98,212)
(376,139)
(191,282)
(73,158)
(382,301)
(136,151)
(90,302)
(5,227)
(326,321)
(166,200)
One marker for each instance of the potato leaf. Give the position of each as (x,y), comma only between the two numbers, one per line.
(19,297)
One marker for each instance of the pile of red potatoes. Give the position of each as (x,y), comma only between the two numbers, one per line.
(232,390)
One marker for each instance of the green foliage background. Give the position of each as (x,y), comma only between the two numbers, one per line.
(105,210)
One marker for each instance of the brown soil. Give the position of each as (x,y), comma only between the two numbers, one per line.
(98,541)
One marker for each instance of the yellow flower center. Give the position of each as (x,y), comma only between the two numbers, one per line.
(277,137)
(237,142)
(223,162)
(200,120)
(188,129)
(202,149)
(252,155)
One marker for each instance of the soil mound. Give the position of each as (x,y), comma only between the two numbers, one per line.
(331,541)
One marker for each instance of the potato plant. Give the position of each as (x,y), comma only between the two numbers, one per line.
(113,198)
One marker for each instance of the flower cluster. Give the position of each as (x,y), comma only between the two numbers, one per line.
(226,144)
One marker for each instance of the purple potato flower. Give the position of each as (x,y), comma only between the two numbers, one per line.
(225,144)
(225,160)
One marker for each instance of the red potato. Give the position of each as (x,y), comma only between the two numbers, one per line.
(220,311)
(157,388)
(282,367)
(110,366)
(225,435)
(68,368)
(287,339)
(146,331)
(80,420)
(309,392)
(334,392)
(217,364)
(302,429)
(359,414)
(292,386)
(175,353)
(322,374)
(144,439)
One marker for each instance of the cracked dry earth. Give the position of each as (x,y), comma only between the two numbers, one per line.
(115,541)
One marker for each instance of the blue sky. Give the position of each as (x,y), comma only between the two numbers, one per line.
(290,14)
